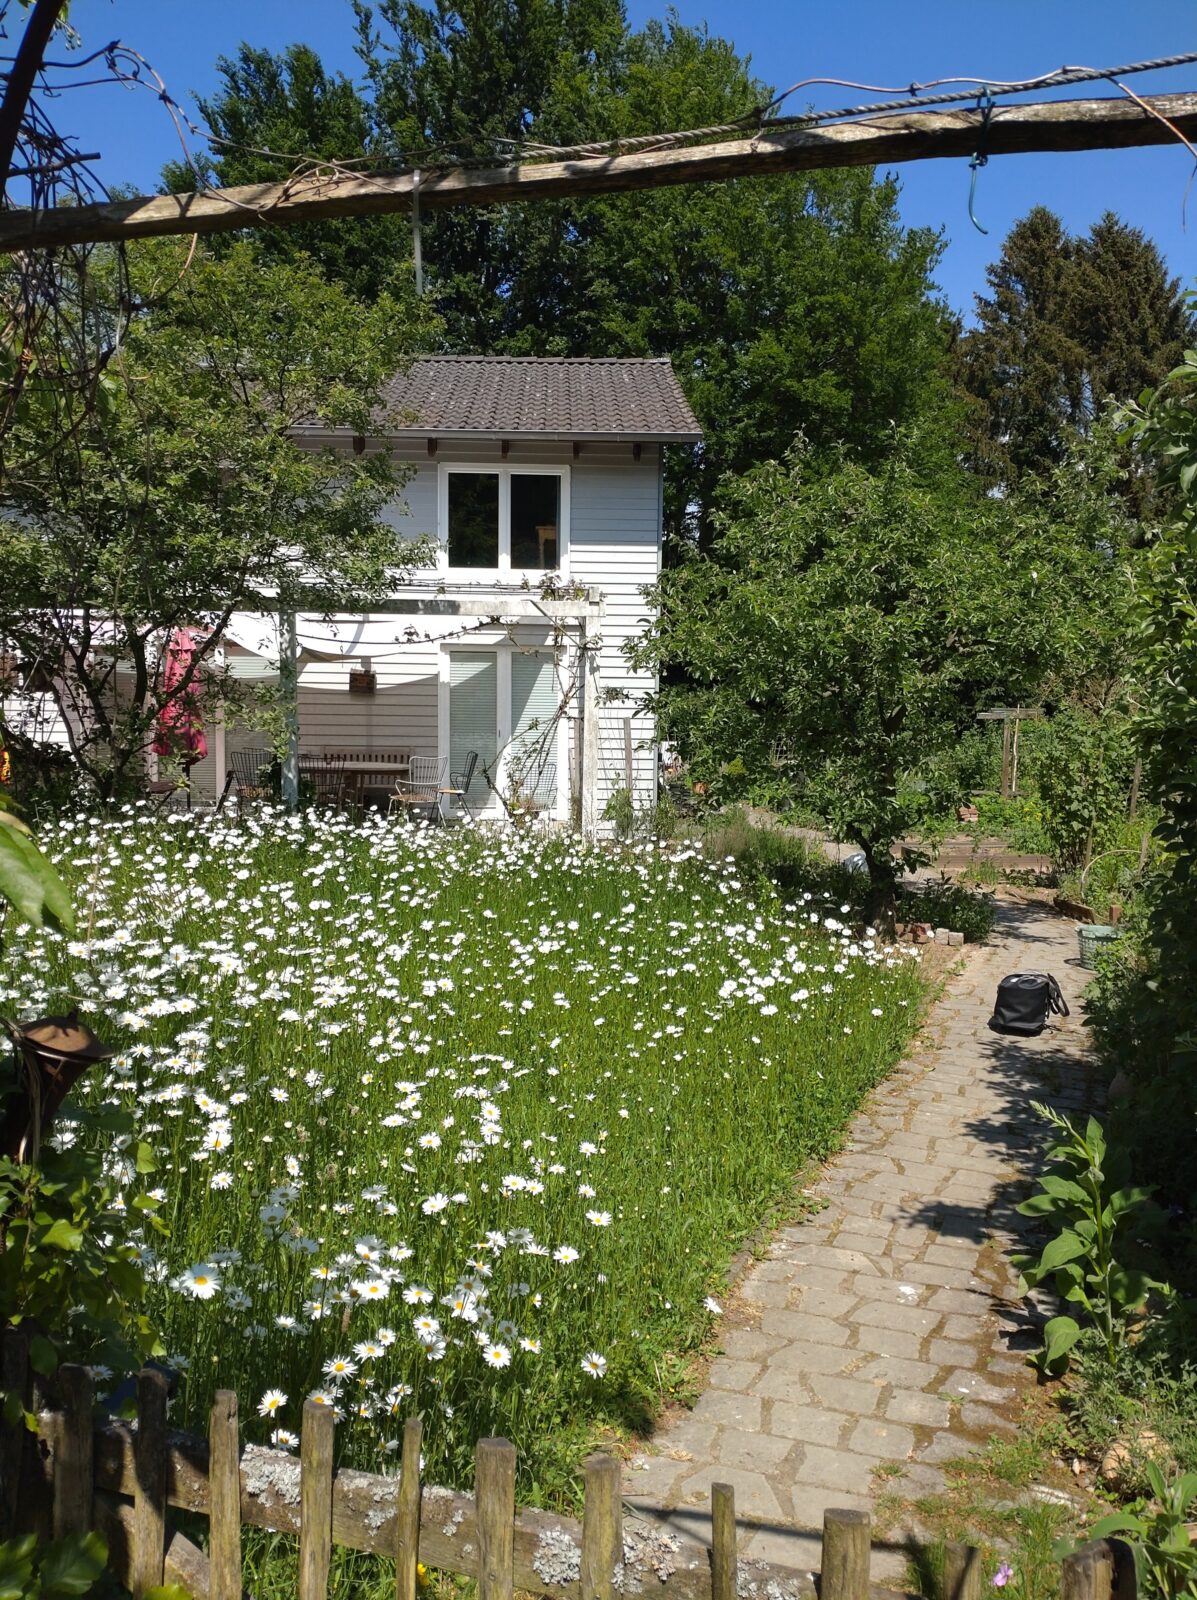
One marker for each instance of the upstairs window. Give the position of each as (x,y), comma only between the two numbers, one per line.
(504,520)
(473,519)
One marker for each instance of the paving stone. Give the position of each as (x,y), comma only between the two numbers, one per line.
(690,1437)
(965,1302)
(975,1387)
(785,1547)
(801,1360)
(729,1409)
(729,1374)
(755,1496)
(897,1313)
(822,1302)
(984,1419)
(747,1344)
(889,1441)
(756,1450)
(923,1410)
(956,1326)
(801,1325)
(901,1373)
(844,1394)
(655,1477)
(811,1424)
(889,1342)
(953,1353)
(766,1292)
(833,1469)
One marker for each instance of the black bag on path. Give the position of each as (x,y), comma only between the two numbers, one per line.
(1024,1002)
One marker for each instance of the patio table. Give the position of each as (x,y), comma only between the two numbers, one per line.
(382,766)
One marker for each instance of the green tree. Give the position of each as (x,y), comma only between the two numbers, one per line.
(185,495)
(1069,324)
(272,111)
(843,633)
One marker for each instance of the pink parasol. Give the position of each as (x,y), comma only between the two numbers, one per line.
(180,730)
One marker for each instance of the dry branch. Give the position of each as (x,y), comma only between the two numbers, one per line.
(1063,125)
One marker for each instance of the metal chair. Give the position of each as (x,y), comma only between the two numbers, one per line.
(421,789)
(458,787)
(326,774)
(249,768)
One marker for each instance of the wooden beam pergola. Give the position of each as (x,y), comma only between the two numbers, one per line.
(584,610)
(1058,125)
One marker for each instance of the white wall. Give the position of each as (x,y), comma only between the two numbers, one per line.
(614,545)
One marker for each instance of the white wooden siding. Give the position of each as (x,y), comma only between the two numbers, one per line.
(614,521)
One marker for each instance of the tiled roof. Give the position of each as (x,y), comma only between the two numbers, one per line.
(509,396)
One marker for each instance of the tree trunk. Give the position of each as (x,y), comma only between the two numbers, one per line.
(883,901)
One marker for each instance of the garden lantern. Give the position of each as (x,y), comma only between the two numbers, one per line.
(51,1055)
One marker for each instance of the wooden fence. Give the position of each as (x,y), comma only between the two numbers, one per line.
(75,1474)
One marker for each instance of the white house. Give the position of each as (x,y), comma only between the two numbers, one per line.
(540,481)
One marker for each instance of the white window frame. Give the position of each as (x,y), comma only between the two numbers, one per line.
(504,649)
(503,471)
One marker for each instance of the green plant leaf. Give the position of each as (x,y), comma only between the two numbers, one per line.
(1118,1522)
(72,1565)
(43,1357)
(63,1235)
(1059,1336)
(16,1566)
(1063,1248)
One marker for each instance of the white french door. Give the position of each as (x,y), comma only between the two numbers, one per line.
(503,703)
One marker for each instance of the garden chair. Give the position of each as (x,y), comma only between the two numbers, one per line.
(458,787)
(326,776)
(421,789)
(252,771)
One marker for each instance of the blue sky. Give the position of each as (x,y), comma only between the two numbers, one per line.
(874,41)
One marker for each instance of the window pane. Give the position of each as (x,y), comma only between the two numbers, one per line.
(473,519)
(473,718)
(535,520)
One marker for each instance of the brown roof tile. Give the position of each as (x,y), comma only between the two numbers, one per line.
(508,396)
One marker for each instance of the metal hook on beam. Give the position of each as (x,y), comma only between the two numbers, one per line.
(980,157)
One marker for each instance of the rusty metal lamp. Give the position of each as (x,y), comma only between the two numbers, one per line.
(51,1054)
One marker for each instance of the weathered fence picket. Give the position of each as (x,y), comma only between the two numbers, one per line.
(122,1481)
(74,1454)
(224,1491)
(149,1501)
(316,1444)
(407,1517)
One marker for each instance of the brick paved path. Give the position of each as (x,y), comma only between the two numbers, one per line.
(886,1329)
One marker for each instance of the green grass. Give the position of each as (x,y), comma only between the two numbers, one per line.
(556,1085)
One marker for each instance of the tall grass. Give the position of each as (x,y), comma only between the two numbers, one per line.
(531,1091)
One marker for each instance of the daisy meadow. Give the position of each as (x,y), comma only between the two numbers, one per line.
(401,1167)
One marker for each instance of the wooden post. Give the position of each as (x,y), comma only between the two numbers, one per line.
(288,688)
(961,1572)
(591,690)
(149,1498)
(14,1374)
(407,1522)
(315,1500)
(723,1542)
(73,1470)
(494,1495)
(602,1528)
(224,1498)
(629,762)
(845,1574)
(1088,1574)
(1005,758)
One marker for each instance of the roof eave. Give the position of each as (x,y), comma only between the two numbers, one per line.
(497,435)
